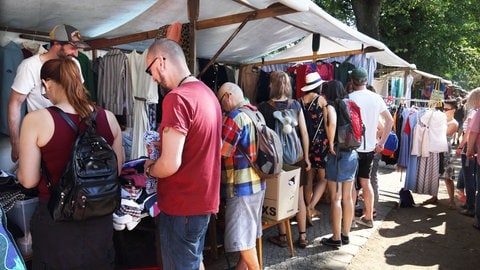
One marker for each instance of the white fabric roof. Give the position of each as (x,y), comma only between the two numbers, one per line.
(330,45)
(116,18)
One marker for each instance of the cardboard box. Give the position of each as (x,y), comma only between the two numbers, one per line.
(281,194)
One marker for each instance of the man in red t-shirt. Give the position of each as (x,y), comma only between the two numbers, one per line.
(188,169)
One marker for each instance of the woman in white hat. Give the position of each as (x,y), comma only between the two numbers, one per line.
(315,111)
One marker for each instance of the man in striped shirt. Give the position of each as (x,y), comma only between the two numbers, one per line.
(241,187)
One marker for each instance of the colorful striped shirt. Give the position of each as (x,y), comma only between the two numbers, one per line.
(238,177)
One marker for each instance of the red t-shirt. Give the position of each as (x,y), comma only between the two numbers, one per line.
(194,189)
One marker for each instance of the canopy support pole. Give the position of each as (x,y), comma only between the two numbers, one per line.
(214,58)
(193,13)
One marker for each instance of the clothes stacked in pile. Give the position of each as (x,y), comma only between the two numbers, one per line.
(139,196)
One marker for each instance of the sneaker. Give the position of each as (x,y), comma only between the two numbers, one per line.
(354,224)
(331,242)
(467,212)
(365,222)
(360,212)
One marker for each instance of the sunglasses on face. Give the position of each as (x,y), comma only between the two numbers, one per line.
(149,68)
(222,97)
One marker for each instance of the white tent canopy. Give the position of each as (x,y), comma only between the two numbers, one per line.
(330,47)
(275,24)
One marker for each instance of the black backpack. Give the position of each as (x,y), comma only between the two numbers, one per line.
(89,185)
(269,148)
(406,198)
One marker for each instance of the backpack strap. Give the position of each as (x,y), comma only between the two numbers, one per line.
(289,103)
(66,118)
(252,115)
(272,103)
(70,122)
(74,127)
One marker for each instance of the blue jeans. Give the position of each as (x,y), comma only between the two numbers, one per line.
(469,167)
(181,240)
(460,180)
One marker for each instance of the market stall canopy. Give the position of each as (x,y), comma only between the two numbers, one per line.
(331,47)
(268,24)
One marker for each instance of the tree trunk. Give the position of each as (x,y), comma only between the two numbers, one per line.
(367,14)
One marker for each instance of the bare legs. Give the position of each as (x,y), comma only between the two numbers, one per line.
(341,208)
(313,199)
(308,188)
(248,260)
(301,215)
(367,197)
(451,195)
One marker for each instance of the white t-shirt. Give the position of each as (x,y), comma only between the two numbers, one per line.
(28,82)
(371,106)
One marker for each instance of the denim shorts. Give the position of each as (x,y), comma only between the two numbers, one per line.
(243,221)
(347,166)
(182,239)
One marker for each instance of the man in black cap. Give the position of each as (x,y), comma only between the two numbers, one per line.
(65,40)
(372,106)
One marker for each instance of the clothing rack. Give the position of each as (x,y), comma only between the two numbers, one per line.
(417,99)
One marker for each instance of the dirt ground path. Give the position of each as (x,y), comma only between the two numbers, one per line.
(425,237)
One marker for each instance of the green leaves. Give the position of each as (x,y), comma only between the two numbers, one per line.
(441,37)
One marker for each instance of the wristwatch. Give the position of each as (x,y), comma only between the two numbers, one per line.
(147,170)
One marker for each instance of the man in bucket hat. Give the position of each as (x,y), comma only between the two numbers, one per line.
(372,106)
(65,40)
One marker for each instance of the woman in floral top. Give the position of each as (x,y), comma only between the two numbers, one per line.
(314,108)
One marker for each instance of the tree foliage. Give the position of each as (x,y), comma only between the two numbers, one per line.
(439,36)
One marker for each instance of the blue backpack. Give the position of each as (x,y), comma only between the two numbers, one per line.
(286,122)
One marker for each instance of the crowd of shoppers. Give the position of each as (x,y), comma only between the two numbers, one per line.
(190,186)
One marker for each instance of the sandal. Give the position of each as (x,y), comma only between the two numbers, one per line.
(331,242)
(302,243)
(359,212)
(280,240)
